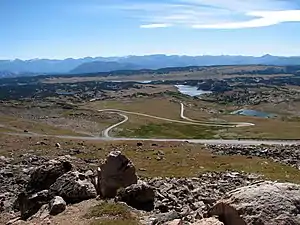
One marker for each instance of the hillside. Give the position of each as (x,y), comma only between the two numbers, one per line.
(97,64)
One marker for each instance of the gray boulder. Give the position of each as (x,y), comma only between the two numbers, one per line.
(140,196)
(44,176)
(57,205)
(117,172)
(73,187)
(31,204)
(267,203)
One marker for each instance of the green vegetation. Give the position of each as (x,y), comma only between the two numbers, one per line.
(170,130)
(109,213)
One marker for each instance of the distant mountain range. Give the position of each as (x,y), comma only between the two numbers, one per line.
(10,68)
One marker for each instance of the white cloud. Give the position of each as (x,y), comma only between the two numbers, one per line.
(264,19)
(211,14)
(155,25)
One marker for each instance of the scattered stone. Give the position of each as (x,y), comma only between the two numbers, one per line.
(210,221)
(57,205)
(139,144)
(117,172)
(289,155)
(73,187)
(57,145)
(140,196)
(175,222)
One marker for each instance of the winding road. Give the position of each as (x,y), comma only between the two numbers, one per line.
(182,116)
(107,137)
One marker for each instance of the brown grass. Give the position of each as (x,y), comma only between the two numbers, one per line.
(180,159)
(109,213)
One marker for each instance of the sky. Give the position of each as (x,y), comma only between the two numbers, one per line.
(80,28)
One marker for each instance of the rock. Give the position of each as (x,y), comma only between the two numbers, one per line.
(165,217)
(42,213)
(226,213)
(288,154)
(210,221)
(267,203)
(13,221)
(117,172)
(73,187)
(140,196)
(44,176)
(31,204)
(57,205)
(175,222)
(139,144)
(57,145)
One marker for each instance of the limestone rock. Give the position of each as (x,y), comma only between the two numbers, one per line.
(73,187)
(267,203)
(117,172)
(140,196)
(57,205)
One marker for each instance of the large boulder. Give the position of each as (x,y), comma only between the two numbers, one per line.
(44,176)
(267,203)
(117,172)
(73,187)
(30,204)
(140,196)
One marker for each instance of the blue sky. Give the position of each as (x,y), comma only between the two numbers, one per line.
(80,28)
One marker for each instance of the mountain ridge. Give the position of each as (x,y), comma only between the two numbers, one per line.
(18,67)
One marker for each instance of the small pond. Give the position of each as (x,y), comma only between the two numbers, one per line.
(190,90)
(249,112)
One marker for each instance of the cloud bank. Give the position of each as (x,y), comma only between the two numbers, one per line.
(213,14)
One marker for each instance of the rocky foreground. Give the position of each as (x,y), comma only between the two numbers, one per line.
(37,187)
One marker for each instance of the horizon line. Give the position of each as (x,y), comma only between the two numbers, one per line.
(161,54)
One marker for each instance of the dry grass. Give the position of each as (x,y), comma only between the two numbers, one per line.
(33,126)
(179,160)
(109,213)
(276,128)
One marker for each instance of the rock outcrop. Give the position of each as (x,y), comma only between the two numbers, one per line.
(73,187)
(267,203)
(117,172)
(30,204)
(44,176)
(226,214)
(140,196)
